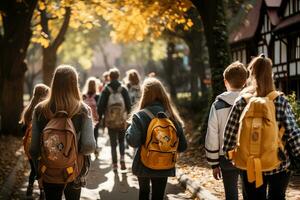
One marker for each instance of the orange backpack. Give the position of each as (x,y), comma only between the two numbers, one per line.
(27,140)
(259,138)
(60,161)
(160,149)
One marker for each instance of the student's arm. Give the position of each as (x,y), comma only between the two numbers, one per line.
(232,126)
(35,148)
(126,99)
(134,133)
(182,145)
(103,102)
(212,143)
(87,139)
(292,132)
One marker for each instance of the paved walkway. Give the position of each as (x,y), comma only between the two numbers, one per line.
(104,184)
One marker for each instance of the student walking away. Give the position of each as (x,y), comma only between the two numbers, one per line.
(40,92)
(91,97)
(62,137)
(260,128)
(133,85)
(115,105)
(235,76)
(156,131)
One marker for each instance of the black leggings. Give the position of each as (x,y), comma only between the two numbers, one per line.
(32,175)
(277,185)
(55,191)
(158,187)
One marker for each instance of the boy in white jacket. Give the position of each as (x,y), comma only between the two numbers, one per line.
(235,76)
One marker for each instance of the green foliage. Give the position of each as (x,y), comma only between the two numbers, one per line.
(295,106)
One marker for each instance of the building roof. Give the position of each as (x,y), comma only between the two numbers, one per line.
(288,22)
(248,29)
(273,3)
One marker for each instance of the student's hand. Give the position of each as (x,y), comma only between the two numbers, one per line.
(217,173)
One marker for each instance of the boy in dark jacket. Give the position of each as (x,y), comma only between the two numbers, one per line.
(115,104)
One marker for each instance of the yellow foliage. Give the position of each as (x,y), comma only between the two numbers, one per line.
(131,20)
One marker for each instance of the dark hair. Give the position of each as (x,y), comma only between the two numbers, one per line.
(236,75)
(114,74)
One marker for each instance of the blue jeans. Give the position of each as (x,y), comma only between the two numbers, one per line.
(115,135)
(276,184)
(230,176)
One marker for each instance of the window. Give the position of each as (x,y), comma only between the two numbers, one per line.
(292,7)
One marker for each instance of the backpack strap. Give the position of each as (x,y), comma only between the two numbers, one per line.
(110,89)
(273,95)
(247,97)
(148,113)
(120,89)
(61,113)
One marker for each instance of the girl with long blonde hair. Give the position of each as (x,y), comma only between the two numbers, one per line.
(155,99)
(64,96)
(40,92)
(133,86)
(261,84)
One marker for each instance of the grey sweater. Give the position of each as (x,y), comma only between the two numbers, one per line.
(82,123)
(136,137)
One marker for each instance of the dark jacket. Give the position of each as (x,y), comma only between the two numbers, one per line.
(114,84)
(136,137)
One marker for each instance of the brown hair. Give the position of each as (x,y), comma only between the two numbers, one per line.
(40,92)
(133,77)
(261,80)
(114,74)
(91,86)
(153,90)
(236,75)
(64,92)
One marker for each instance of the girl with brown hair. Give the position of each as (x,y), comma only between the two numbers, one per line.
(64,96)
(91,97)
(133,85)
(261,84)
(155,99)
(40,92)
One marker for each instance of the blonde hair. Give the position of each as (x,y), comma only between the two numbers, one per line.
(40,92)
(133,77)
(64,93)
(153,90)
(91,86)
(261,76)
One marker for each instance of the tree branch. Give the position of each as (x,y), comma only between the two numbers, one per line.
(60,36)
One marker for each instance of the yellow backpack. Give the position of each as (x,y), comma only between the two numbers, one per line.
(160,149)
(259,138)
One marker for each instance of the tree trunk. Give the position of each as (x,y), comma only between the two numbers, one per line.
(214,22)
(49,53)
(16,18)
(49,64)
(169,69)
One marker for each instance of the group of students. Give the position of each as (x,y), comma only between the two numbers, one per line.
(252,133)
(61,128)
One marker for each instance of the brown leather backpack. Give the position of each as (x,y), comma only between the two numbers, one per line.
(60,161)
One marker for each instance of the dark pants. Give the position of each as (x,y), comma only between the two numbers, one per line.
(32,175)
(55,191)
(230,176)
(276,184)
(158,187)
(115,135)
(96,133)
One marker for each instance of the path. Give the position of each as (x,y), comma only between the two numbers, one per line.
(104,184)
